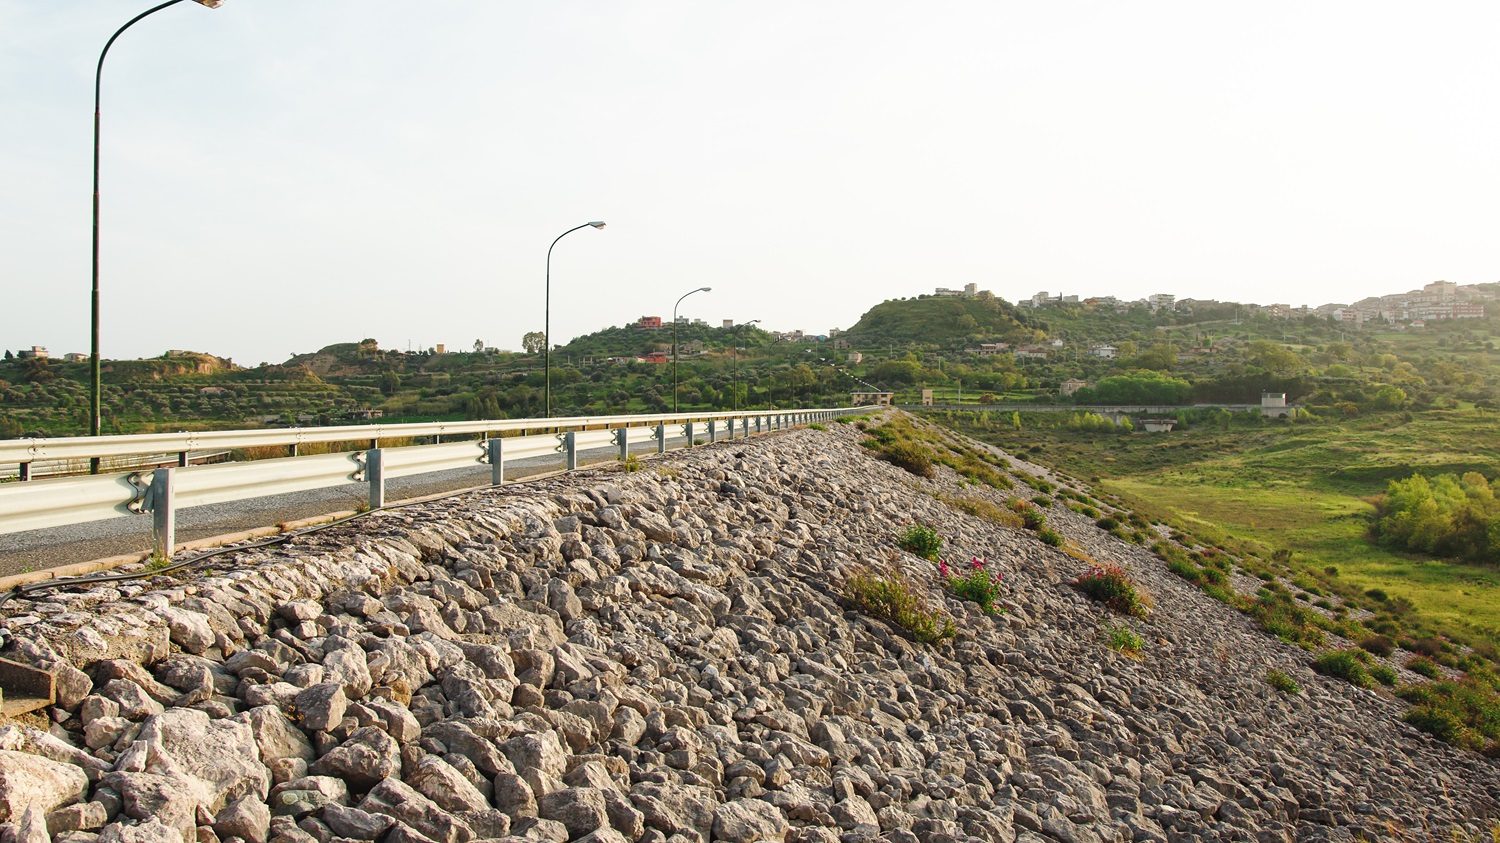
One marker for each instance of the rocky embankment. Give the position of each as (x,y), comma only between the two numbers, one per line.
(665,656)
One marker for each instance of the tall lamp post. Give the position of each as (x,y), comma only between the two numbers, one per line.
(94,404)
(735,383)
(674,341)
(547,315)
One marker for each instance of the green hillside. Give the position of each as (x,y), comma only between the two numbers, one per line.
(946,321)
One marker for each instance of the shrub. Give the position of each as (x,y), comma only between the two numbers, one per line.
(1033,519)
(1282,682)
(981,508)
(1376,594)
(892,600)
(1278,615)
(1185,569)
(1110,585)
(1465,714)
(911,456)
(1423,666)
(632,463)
(1342,664)
(1050,537)
(1380,645)
(921,540)
(1121,638)
(1383,674)
(977,584)
(816,426)
(1041,500)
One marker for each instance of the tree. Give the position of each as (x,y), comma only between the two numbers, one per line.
(478,346)
(535,342)
(1273,358)
(1390,398)
(9,355)
(389,382)
(35,370)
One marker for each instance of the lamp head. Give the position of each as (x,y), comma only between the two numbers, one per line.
(596,224)
(752,322)
(703,289)
(212,4)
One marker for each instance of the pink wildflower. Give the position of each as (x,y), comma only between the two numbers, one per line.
(943,569)
(978,564)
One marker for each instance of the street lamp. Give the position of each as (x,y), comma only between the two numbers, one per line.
(735,383)
(674,342)
(547,315)
(94,405)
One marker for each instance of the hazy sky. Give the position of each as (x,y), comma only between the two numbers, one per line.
(279,175)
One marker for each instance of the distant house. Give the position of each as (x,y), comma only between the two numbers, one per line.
(35,352)
(656,357)
(1072,385)
(650,322)
(1031,353)
(860,399)
(1418,323)
(1108,352)
(1273,405)
(988,348)
(75,357)
(363,415)
(856,357)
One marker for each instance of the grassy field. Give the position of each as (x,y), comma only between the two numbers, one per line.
(1309,489)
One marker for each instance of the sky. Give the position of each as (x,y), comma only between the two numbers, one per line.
(280,175)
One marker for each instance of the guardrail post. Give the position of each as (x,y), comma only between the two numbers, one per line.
(375,474)
(182,459)
(687,430)
(570,449)
(497,461)
(163,518)
(25,471)
(661,438)
(729,426)
(713,430)
(622,438)
(757,426)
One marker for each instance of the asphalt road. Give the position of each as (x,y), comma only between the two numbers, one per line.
(36,550)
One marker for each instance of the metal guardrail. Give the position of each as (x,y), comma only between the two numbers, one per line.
(40,504)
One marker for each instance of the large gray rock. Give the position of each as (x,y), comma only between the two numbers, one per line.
(354,823)
(365,758)
(580,809)
(348,667)
(149,831)
(540,751)
(29,781)
(247,818)
(189,630)
(134,702)
(221,755)
(322,706)
(395,799)
(80,816)
(670,807)
(437,780)
(748,821)
(513,796)
(276,736)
